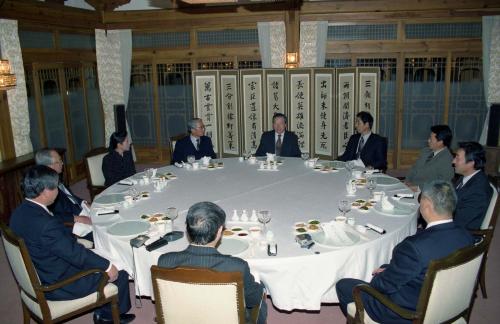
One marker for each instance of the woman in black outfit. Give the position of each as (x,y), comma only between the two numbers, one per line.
(118,164)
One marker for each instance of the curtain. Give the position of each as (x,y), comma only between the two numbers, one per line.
(491,66)
(114,57)
(17,98)
(313,36)
(272,43)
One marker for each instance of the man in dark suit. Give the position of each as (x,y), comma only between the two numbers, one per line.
(196,143)
(279,141)
(55,253)
(67,207)
(204,226)
(473,188)
(435,161)
(401,280)
(365,145)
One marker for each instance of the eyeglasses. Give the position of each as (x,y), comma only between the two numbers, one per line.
(200,127)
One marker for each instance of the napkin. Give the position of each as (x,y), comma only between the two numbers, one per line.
(386,204)
(81,229)
(358,163)
(128,182)
(335,232)
(179,165)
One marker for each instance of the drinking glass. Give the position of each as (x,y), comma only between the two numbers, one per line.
(191,159)
(305,156)
(371,184)
(264,217)
(344,206)
(172,214)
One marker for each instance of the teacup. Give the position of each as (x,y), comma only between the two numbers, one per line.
(196,165)
(145,179)
(252,159)
(205,160)
(271,156)
(357,174)
(341,219)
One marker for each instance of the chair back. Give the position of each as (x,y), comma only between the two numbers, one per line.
(23,270)
(173,141)
(195,295)
(450,284)
(490,218)
(93,163)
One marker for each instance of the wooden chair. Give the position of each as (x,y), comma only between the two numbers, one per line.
(447,293)
(489,222)
(93,170)
(196,295)
(32,292)
(173,140)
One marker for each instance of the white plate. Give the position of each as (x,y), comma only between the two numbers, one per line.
(232,246)
(320,239)
(386,181)
(110,199)
(398,211)
(129,228)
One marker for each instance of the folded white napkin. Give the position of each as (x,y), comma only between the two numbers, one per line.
(129,182)
(335,232)
(81,229)
(386,204)
(358,163)
(85,210)
(179,165)
(372,171)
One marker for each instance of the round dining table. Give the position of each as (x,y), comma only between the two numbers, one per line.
(295,194)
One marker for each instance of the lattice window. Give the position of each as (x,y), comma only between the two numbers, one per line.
(140,112)
(36,39)
(160,40)
(444,30)
(362,32)
(94,107)
(424,96)
(78,41)
(33,113)
(467,103)
(175,98)
(249,64)
(228,37)
(387,93)
(338,62)
(216,65)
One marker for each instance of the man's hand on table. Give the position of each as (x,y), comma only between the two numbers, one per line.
(82,219)
(377,271)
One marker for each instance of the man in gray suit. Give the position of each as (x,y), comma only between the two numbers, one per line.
(204,226)
(435,161)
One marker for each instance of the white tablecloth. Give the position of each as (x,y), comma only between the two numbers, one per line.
(297,278)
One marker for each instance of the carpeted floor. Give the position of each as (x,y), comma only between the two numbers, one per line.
(484,311)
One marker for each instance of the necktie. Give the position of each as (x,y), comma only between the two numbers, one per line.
(360,146)
(278,145)
(68,194)
(460,184)
(429,157)
(197,144)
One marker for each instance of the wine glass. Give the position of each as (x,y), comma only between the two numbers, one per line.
(371,184)
(305,156)
(172,214)
(264,217)
(344,206)
(191,159)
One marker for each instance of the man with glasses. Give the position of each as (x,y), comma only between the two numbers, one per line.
(196,143)
(67,207)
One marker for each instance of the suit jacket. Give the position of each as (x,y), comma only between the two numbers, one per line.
(185,147)
(473,201)
(374,152)
(116,167)
(210,258)
(402,279)
(64,209)
(438,168)
(55,253)
(289,145)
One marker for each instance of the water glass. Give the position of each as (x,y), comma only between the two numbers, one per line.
(264,217)
(371,184)
(191,159)
(344,206)
(172,214)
